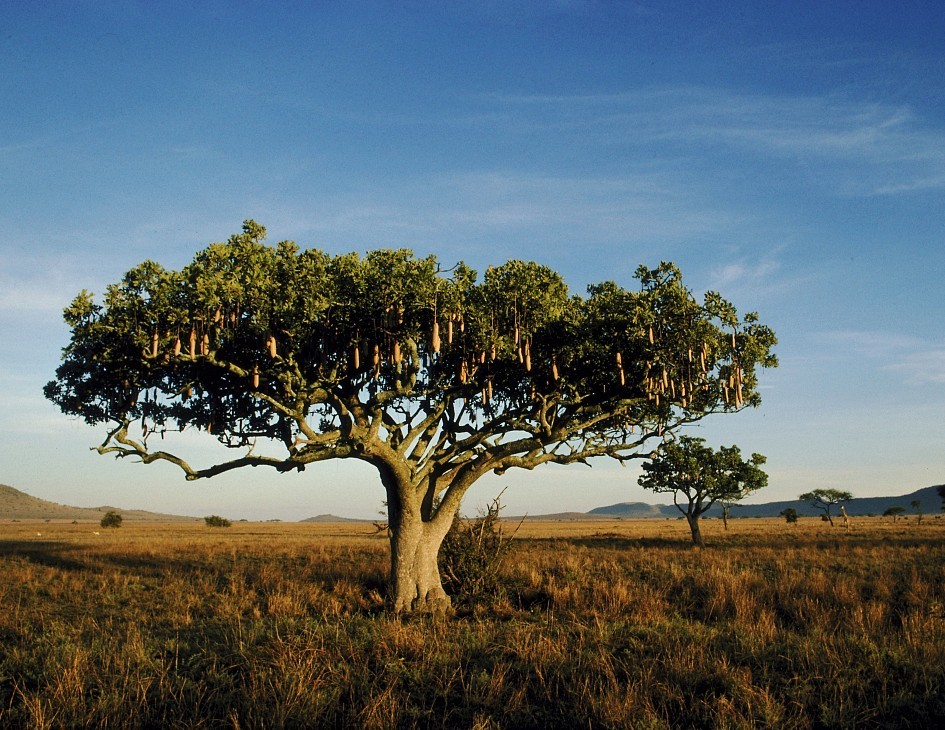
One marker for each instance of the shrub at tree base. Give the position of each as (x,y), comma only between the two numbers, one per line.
(473,553)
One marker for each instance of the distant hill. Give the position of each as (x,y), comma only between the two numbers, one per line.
(929,503)
(331,518)
(17,505)
(635,510)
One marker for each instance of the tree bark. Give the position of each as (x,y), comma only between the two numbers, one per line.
(693,521)
(415,585)
(416,533)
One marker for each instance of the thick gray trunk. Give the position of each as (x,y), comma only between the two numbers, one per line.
(414,573)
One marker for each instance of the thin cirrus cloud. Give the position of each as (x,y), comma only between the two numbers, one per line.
(916,361)
(857,147)
(509,205)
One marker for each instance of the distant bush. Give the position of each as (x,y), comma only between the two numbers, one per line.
(111,519)
(789,514)
(217,521)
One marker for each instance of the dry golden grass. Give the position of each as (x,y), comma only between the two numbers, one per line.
(601,624)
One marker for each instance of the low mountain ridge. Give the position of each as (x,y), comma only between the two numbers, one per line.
(928,499)
(17,505)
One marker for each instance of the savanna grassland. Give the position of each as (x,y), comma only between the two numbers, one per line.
(596,624)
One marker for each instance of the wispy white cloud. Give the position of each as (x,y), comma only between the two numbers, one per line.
(921,368)
(505,206)
(740,273)
(916,360)
(856,147)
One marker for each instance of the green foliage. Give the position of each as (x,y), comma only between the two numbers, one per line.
(473,554)
(701,474)
(111,519)
(217,521)
(251,341)
(789,514)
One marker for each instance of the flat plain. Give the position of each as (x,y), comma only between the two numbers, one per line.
(612,623)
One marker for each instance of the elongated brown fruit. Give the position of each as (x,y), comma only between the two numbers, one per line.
(193,343)
(397,357)
(154,344)
(255,377)
(449,331)
(435,338)
(554,369)
(205,344)
(356,358)
(273,349)
(176,346)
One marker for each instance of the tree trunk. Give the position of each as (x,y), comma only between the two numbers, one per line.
(693,521)
(416,533)
(414,573)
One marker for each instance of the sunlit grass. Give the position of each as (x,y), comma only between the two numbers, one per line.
(603,624)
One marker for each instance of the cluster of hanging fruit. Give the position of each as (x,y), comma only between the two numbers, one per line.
(198,340)
(662,381)
(681,383)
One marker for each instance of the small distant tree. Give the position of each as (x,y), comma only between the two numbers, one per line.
(940,490)
(824,499)
(216,521)
(726,505)
(917,508)
(789,514)
(703,476)
(111,519)
(894,512)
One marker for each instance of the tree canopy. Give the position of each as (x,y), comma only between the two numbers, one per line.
(825,499)
(703,476)
(434,375)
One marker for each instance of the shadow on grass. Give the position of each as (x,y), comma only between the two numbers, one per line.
(46,553)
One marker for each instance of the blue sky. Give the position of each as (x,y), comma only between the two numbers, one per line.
(788,154)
